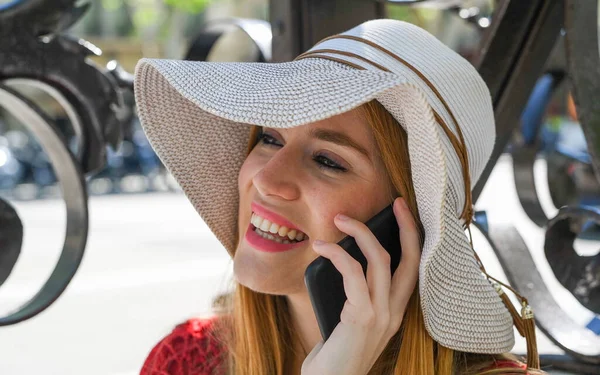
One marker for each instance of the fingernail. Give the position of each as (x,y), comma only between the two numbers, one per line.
(398,206)
(342,217)
(403,203)
(318,242)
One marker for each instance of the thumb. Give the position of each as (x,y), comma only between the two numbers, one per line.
(310,357)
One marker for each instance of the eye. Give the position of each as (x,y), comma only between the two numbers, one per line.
(326,163)
(323,162)
(268,140)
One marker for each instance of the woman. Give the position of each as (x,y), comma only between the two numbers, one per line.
(284,160)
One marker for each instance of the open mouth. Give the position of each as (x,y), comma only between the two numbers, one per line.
(275,232)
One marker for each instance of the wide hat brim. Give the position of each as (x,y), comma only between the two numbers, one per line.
(197,116)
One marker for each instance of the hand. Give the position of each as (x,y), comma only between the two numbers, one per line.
(375,304)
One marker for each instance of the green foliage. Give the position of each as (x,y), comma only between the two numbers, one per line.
(145,17)
(112,5)
(417,16)
(189,6)
(399,12)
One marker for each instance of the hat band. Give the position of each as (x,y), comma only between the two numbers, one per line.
(458,144)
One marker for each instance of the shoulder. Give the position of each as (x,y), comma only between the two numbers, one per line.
(190,348)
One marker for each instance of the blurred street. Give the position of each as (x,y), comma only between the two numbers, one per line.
(151,263)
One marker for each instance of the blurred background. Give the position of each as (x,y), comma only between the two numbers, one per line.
(150,262)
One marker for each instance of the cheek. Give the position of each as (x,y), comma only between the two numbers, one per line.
(245,176)
(249,169)
(348,199)
(325,204)
(355,201)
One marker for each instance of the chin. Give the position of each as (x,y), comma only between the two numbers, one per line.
(253,276)
(263,289)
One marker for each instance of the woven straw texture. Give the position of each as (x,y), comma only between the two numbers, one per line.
(196,116)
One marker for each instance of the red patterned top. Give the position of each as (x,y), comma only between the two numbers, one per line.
(508,364)
(190,350)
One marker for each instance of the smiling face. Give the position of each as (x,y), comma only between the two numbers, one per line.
(292,185)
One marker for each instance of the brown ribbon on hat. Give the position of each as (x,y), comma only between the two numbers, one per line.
(461,151)
(524,322)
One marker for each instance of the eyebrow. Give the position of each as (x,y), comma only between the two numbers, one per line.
(339,139)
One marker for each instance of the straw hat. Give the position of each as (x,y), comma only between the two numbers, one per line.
(196,116)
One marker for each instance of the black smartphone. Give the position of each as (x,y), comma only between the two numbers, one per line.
(324,282)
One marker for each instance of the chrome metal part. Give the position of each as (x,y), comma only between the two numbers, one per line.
(70,110)
(522,273)
(579,274)
(71,181)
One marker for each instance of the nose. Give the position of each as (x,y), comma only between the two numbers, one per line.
(277,178)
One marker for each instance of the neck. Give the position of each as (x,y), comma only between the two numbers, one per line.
(305,321)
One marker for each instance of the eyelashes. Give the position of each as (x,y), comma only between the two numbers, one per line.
(266,139)
(322,161)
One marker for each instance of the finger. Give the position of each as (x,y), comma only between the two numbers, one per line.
(406,275)
(355,284)
(310,357)
(378,259)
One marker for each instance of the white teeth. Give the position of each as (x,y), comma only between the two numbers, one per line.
(282,231)
(265,225)
(257,221)
(270,236)
(292,234)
